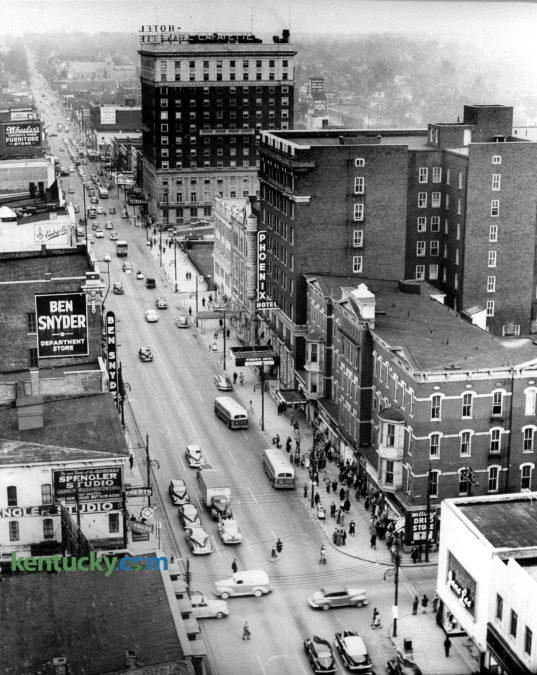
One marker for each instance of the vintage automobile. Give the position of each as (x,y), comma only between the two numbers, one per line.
(229,531)
(332,597)
(320,655)
(99,234)
(151,316)
(198,540)
(127,267)
(189,516)
(353,651)
(207,608)
(161,303)
(112,210)
(181,322)
(194,456)
(118,288)
(400,665)
(223,382)
(139,275)
(114,236)
(109,225)
(124,214)
(178,493)
(145,354)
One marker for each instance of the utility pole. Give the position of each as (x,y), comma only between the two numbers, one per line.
(428,513)
(224,332)
(197,277)
(262,378)
(397,561)
(148,466)
(175,262)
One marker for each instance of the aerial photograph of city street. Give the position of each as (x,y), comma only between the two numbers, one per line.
(268,337)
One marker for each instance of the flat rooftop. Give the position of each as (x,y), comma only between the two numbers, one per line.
(93,620)
(413,142)
(60,263)
(430,335)
(506,523)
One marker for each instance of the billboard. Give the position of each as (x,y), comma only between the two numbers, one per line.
(108,115)
(22,135)
(62,325)
(317,85)
(23,115)
(88,484)
(262,301)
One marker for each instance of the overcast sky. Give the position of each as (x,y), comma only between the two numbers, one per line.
(510,21)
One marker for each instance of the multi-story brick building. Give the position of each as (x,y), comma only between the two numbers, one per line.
(418,394)
(205,99)
(454,205)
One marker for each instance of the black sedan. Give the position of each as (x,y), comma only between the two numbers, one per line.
(402,666)
(320,655)
(145,354)
(353,652)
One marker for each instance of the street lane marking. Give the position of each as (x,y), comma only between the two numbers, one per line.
(253,496)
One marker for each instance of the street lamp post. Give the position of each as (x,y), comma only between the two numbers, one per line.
(85,214)
(394,571)
(224,334)
(175,262)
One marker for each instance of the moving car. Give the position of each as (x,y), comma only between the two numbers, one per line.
(107,257)
(247,582)
(178,493)
(139,275)
(127,267)
(118,288)
(223,382)
(353,652)
(99,234)
(198,540)
(320,655)
(109,225)
(100,211)
(229,531)
(124,214)
(71,190)
(76,208)
(145,354)
(150,283)
(114,236)
(332,597)
(112,210)
(181,322)
(402,666)
(161,303)
(194,456)
(189,516)
(151,316)
(95,226)
(203,608)
(94,200)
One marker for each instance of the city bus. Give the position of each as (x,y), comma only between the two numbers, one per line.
(231,412)
(122,249)
(278,468)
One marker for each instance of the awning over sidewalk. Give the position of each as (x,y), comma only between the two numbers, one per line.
(292,396)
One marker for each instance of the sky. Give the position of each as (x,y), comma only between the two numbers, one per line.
(511,21)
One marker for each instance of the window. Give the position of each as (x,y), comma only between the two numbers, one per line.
(433,483)
(433,272)
(13,530)
(493,479)
(422,200)
(459,206)
(422,224)
(420,273)
(496,159)
(499,607)
(463,482)
(434,445)
(492,259)
(495,439)
(493,233)
(528,640)
(423,175)
(113,522)
(420,249)
(435,199)
(460,180)
(46,493)
(389,472)
(529,435)
(466,444)
(513,623)
(490,307)
(390,435)
(33,357)
(359,161)
(48,528)
(436,407)
(435,248)
(497,403)
(435,224)
(32,324)
(448,176)
(11,495)
(358,211)
(358,238)
(359,185)
(491,284)
(163,114)
(495,208)
(531,401)
(525,476)
(447,201)
(437,174)
(357,263)
(496,180)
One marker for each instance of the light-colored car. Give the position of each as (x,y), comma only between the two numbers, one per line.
(353,651)
(151,316)
(100,211)
(127,267)
(114,236)
(178,493)
(99,234)
(107,257)
(204,608)
(181,322)
(198,540)
(76,208)
(333,597)
(223,382)
(194,456)
(109,225)
(189,516)
(139,275)
(229,531)
(161,303)
(246,582)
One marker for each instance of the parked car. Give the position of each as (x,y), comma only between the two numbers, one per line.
(203,608)
(402,666)
(107,257)
(194,456)
(127,267)
(145,354)
(94,200)
(178,493)
(161,303)
(189,516)
(151,316)
(320,655)
(114,236)
(198,540)
(112,210)
(150,283)
(118,288)
(181,322)
(109,225)
(223,382)
(100,210)
(71,190)
(76,208)
(229,531)
(139,275)
(332,597)
(99,234)
(353,651)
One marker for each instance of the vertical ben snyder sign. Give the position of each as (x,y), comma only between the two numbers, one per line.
(62,325)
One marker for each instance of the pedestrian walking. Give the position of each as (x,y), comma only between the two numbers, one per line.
(373,541)
(288,444)
(131,461)
(374,618)
(415,605)
(203,301)
(234,566)
(241,378)
(251,407)
(435,602)
(447,645)
(228,333)
(210,297)
(297,445)
(246,634)
(215,335)
(341,494)
(344,536)
(297,434)
(334,486)
(316,499)
(414,555)
(235,376)
(190,311)
(424,603)
(327,482)
(220,323)
(352,528)
(305,488)
(322,558)
(332,510)
(347,505)
(273,555)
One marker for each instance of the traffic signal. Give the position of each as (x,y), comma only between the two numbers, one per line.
(279,546)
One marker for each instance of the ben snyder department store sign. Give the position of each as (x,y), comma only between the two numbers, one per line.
(62,325)
(88,484)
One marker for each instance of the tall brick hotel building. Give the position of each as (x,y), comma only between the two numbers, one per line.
(454,205)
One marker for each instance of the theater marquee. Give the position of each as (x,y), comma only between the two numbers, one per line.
(62,325)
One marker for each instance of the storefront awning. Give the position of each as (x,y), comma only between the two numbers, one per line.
(292,396)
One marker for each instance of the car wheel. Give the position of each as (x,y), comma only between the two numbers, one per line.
(224,595)
(258,593)
(359,604)
(325,607)
(219,615)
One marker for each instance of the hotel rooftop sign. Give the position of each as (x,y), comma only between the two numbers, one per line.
(157,34)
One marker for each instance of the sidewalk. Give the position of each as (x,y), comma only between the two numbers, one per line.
(427,638)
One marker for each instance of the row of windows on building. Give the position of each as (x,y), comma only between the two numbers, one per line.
(494,444)
(436,174)
(219,115)
(221,102)
(231,76)
(206,163)
(219,63)
(465,479)
(48,527)
(225,91)
(513,624)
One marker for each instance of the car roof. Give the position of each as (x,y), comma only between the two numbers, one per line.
(177,481)
(354,644)
(350,590)
(194,447)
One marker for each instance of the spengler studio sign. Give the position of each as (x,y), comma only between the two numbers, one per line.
(62,325)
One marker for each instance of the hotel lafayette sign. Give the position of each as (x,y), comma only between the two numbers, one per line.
(262,301)
(160,33)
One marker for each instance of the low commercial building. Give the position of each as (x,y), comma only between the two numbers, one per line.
(487,578)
